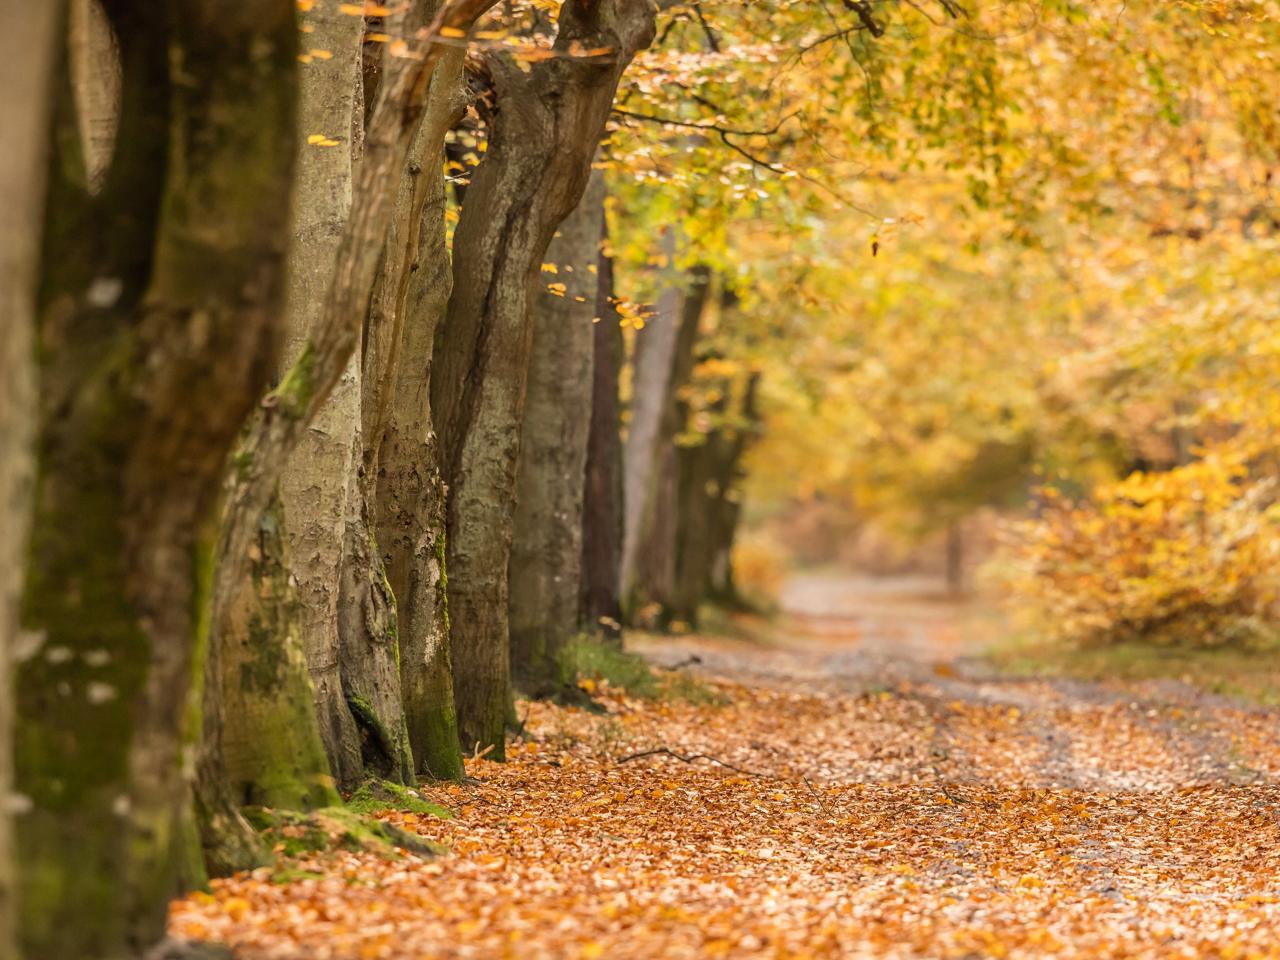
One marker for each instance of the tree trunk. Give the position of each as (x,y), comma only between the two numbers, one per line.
(282,617)
(409,492)
(351,617)
(159,320)
(26,69)
(603,503)
(708,502)
(655,347)
(285,414)
(955,558)
(652,590)
(653,584)
(546,554)
(723,587)
(544,128)
(272,752)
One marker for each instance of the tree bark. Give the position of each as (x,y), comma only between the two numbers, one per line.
(348,620)
(652,366)
(543,131)
(546,554)
(728,506)
(281,618)
(283,415)
(26,70)
(603,496)
(709,473)
(652,590)
(159,321)
(405,462)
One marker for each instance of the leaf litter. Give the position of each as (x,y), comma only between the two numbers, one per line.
(946,815)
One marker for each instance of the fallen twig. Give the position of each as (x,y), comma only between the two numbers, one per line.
(668,752)
(817,796)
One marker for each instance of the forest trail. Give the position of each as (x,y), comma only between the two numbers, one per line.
(875,791)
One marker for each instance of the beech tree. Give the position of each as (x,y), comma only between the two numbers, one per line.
(544,122)
(545,569)
(159,284)
(356,677)
(603,503)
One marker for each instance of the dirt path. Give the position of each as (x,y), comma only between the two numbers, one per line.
(843,635)
(874,792)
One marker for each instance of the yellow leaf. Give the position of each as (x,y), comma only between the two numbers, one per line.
(236,907)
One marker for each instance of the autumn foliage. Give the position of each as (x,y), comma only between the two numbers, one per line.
(1187,555)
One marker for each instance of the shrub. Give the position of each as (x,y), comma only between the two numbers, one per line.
(1191,555)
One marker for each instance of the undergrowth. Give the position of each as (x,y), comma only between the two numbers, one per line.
(590,663)
(294,834)
(1248,672)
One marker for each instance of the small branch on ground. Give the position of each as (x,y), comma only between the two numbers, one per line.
(668,752)
(816,795)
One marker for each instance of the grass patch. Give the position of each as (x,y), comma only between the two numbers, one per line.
(585,659)
(1250,673)
(294,834)
(376,796)
(294,875)
(760,629)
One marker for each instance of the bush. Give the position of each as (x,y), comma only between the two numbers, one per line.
(1191,556)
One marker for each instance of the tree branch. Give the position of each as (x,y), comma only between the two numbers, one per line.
(691,758)
(863,11)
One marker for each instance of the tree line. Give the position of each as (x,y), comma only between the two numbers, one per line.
(313,449)
(358,358)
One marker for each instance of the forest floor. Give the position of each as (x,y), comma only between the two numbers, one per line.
(860,782)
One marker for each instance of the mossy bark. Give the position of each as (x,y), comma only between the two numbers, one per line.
(284,417)
(162,287)
(267,726)
(26,70)
(316,480)
(711,442)
(723,588)
(543,131)
(272,752)
(370,650)
(546,553)
(403,460)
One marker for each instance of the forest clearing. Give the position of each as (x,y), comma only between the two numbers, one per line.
(639,478)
